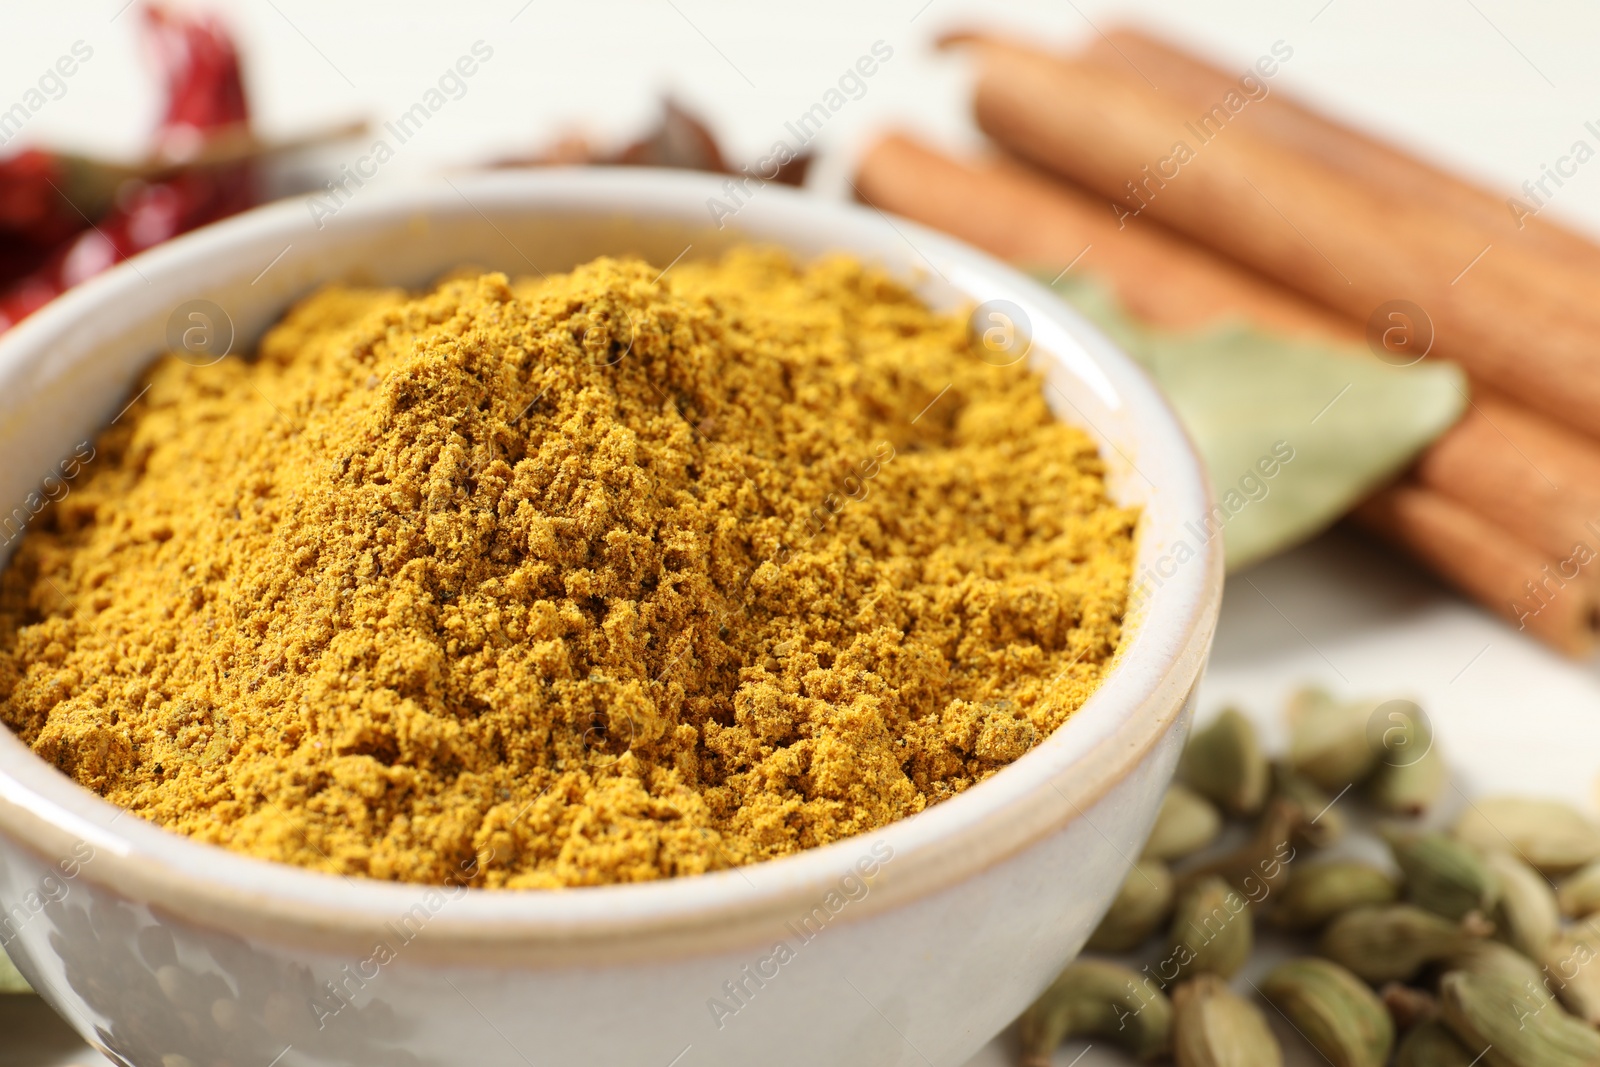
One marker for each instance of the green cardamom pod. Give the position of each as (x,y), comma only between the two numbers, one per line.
(1318,893)
(1409,788)
(1320,823)
(1212,931)
(1443,874)
(1579,893)
(1526,915)
(1495,1013)
(1328,739)
(1485,956)
(1187,823)
(1212,1026)
(1224,763)
(1389,942)
(1572,969)
(1552,836)
(1097,998)
(1333,1009)
(1431,1044)
(1260,866)
(1141,906)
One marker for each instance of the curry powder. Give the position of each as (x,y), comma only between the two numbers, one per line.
(601,577)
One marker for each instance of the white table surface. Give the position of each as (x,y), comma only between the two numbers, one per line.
(1490,87)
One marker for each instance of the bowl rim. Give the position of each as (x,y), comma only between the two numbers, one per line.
(45,812)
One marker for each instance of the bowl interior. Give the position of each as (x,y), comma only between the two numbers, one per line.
(68,371)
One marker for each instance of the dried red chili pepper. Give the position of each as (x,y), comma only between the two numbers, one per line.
(205,92)
(30,207)
(205,98)
(33,217)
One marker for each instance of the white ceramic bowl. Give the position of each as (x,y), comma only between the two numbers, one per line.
(164,951)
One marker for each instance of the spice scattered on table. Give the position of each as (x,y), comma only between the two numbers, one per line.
(680,139)
(604,577)
(1476,944)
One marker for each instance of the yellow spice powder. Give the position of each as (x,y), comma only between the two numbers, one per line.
(597,578)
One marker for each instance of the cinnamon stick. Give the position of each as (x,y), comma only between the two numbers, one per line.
(1312,228)
(1536,480)
(1379,166)
(1022,216)
(1487,563)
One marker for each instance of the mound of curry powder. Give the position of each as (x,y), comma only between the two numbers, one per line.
(601,577)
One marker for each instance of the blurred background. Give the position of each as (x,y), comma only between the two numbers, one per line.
(1494,92)
(1490,88)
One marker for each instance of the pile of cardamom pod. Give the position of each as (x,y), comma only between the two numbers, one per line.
(1476,945)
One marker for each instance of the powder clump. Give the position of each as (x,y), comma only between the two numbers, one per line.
(604,577)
